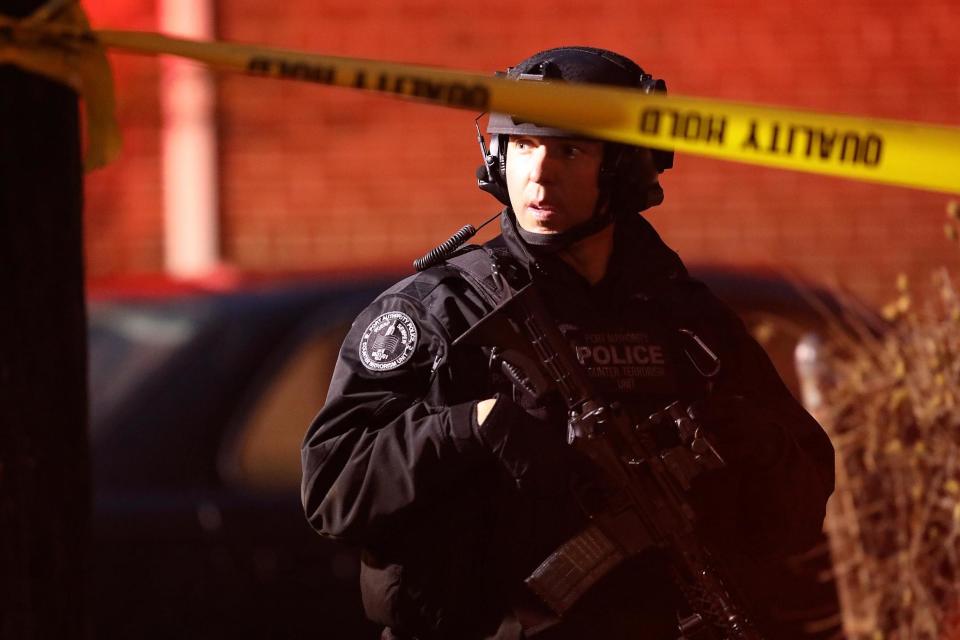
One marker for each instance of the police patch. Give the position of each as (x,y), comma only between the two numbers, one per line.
(388,341)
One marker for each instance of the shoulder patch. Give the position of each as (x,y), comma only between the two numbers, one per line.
(388,341)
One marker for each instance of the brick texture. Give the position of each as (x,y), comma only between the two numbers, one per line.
(123,208)
(324,178)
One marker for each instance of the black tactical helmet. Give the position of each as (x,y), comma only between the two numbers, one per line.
(620,173)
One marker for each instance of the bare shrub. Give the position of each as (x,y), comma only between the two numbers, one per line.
(891,406)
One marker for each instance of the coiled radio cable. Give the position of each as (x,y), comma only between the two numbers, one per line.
(446,249)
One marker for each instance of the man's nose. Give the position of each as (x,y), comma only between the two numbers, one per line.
(542,165)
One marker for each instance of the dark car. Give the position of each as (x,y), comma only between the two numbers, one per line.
(199,403)
(200,400)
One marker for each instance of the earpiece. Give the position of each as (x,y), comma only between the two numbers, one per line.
(492,174)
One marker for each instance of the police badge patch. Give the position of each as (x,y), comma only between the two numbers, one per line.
(388,341)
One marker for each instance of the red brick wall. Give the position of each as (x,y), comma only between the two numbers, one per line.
(314,177)
(124,205)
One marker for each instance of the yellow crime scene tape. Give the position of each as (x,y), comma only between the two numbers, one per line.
(55,41)
(870,149)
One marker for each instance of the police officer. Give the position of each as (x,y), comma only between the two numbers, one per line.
(458,484)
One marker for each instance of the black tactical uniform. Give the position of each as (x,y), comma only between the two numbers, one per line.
(453,522)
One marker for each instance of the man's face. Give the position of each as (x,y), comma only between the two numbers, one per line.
(552,182)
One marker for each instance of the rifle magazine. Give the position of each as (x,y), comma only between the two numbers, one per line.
(571,570)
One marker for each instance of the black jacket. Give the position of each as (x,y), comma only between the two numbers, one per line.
(393,461)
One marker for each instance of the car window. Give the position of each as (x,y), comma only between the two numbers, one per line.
(128,342)
(266,454)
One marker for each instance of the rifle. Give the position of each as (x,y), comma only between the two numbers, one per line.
(648,507)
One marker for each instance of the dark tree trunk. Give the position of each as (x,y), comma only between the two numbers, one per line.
(44,466)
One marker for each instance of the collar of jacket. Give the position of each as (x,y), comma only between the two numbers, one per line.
(640,261)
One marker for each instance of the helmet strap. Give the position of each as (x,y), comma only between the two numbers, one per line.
(604,214)
(547,243)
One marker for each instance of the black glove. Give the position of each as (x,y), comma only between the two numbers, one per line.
(533,451)
(743,434)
